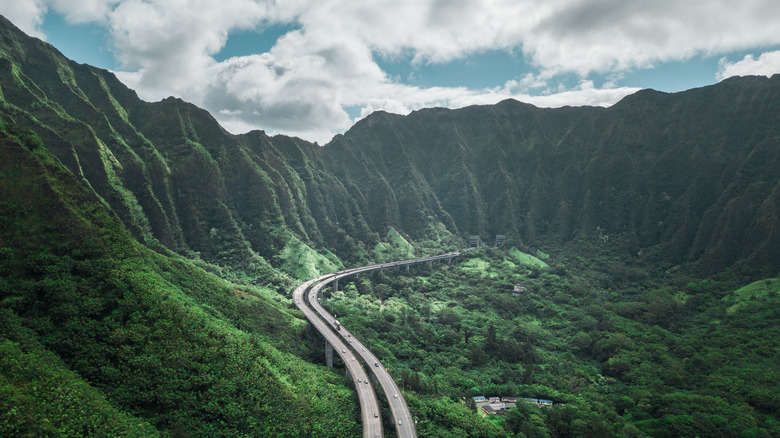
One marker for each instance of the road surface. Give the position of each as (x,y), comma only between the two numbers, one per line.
(348,347)
(369,406)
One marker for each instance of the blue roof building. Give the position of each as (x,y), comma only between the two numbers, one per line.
(539,401)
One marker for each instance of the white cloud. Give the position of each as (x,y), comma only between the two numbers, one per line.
(84,11)
(26,15)
(385,104)
(302,85)
(585,93)
(616,35)
(169,43)
(767,64)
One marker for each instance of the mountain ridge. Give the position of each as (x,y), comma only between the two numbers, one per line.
(147,258)
(613,149)
(650,170)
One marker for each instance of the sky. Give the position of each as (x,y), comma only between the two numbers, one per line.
(312,68)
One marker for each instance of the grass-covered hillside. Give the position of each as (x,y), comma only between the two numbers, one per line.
(688,178)
(253,205)
(147,256)
(100,336)
(621,350)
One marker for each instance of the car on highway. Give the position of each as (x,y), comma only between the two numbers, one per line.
(395,395)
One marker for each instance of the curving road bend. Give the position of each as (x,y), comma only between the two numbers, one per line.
(344,342)
(369,406)
(404,422)
(403,419)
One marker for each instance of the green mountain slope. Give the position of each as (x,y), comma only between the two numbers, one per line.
(690,177)
(145,252)
(174,177)
(693,175)
(102,336)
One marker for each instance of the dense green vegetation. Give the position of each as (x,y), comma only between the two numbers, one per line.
(146,257)
(102,336)
(692,176)
(623,350)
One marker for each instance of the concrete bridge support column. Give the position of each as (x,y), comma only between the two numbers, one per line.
(319,294)
(328,354)
(449,261)
(349,375)
(407,268)
(336,285)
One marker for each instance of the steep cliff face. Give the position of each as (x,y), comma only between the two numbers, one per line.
(172,174)
(691,176)
(100,336)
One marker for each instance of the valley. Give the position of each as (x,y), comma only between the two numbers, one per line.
(153,265)
(616,355)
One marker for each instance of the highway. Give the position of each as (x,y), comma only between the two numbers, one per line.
(348,345)
(402,416)
(369,406)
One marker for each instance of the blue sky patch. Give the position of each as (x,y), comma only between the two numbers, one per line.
(250,42)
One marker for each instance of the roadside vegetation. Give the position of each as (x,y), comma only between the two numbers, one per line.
(621,349)
(147,257)
(101,336)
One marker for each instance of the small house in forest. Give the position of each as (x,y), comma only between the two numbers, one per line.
(497,408)
(539,401)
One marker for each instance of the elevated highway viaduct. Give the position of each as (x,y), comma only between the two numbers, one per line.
(369,406)
(347,346)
